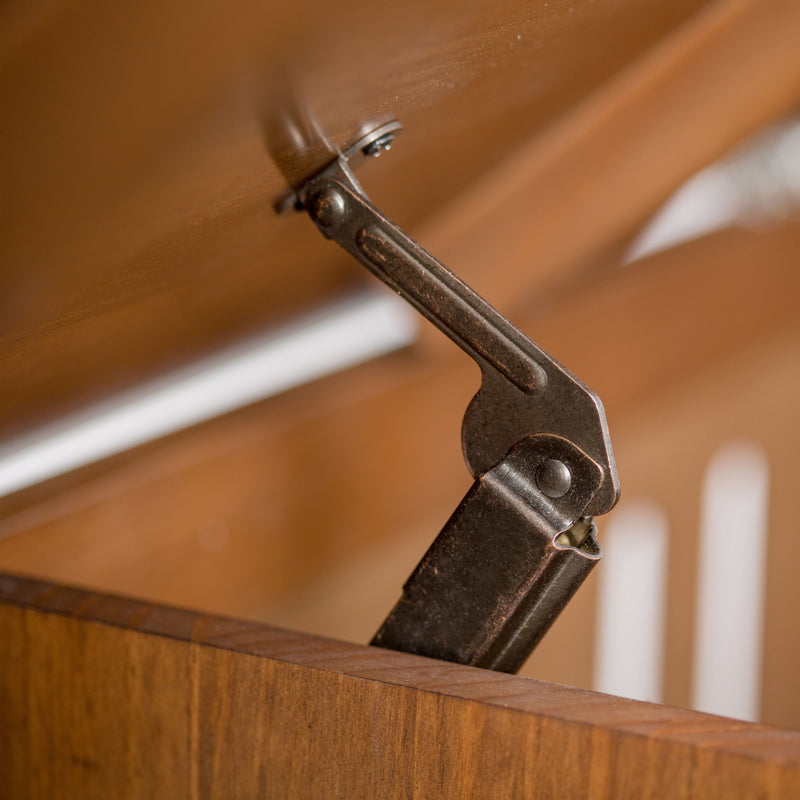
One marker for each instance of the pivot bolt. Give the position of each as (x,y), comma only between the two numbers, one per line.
(553,478)
(327,207)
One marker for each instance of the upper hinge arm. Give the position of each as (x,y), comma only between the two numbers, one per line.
(524,390)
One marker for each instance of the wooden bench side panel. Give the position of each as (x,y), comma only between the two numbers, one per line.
(107,697)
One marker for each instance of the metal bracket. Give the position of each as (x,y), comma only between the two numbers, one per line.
(534,436)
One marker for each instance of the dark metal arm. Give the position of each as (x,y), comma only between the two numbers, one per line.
(534,436)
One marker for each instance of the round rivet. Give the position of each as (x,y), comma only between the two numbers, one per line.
(553,478)
(327,207)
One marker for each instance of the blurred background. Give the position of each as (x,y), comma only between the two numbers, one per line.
(208,405)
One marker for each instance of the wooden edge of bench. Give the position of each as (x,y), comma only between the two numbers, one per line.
(713,753)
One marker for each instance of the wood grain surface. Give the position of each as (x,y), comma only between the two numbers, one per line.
(104,697)
(136,232)
(570,197)
(137,229)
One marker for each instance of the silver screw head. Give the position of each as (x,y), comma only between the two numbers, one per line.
(377,146)
(327,207)
(553,478)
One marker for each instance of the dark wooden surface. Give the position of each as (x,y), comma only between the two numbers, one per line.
(104,696)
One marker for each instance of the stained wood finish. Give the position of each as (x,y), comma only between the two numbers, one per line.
(109,697)
(568,198)
(137,232)
(137,213)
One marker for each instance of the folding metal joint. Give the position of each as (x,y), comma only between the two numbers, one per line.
(534,437)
